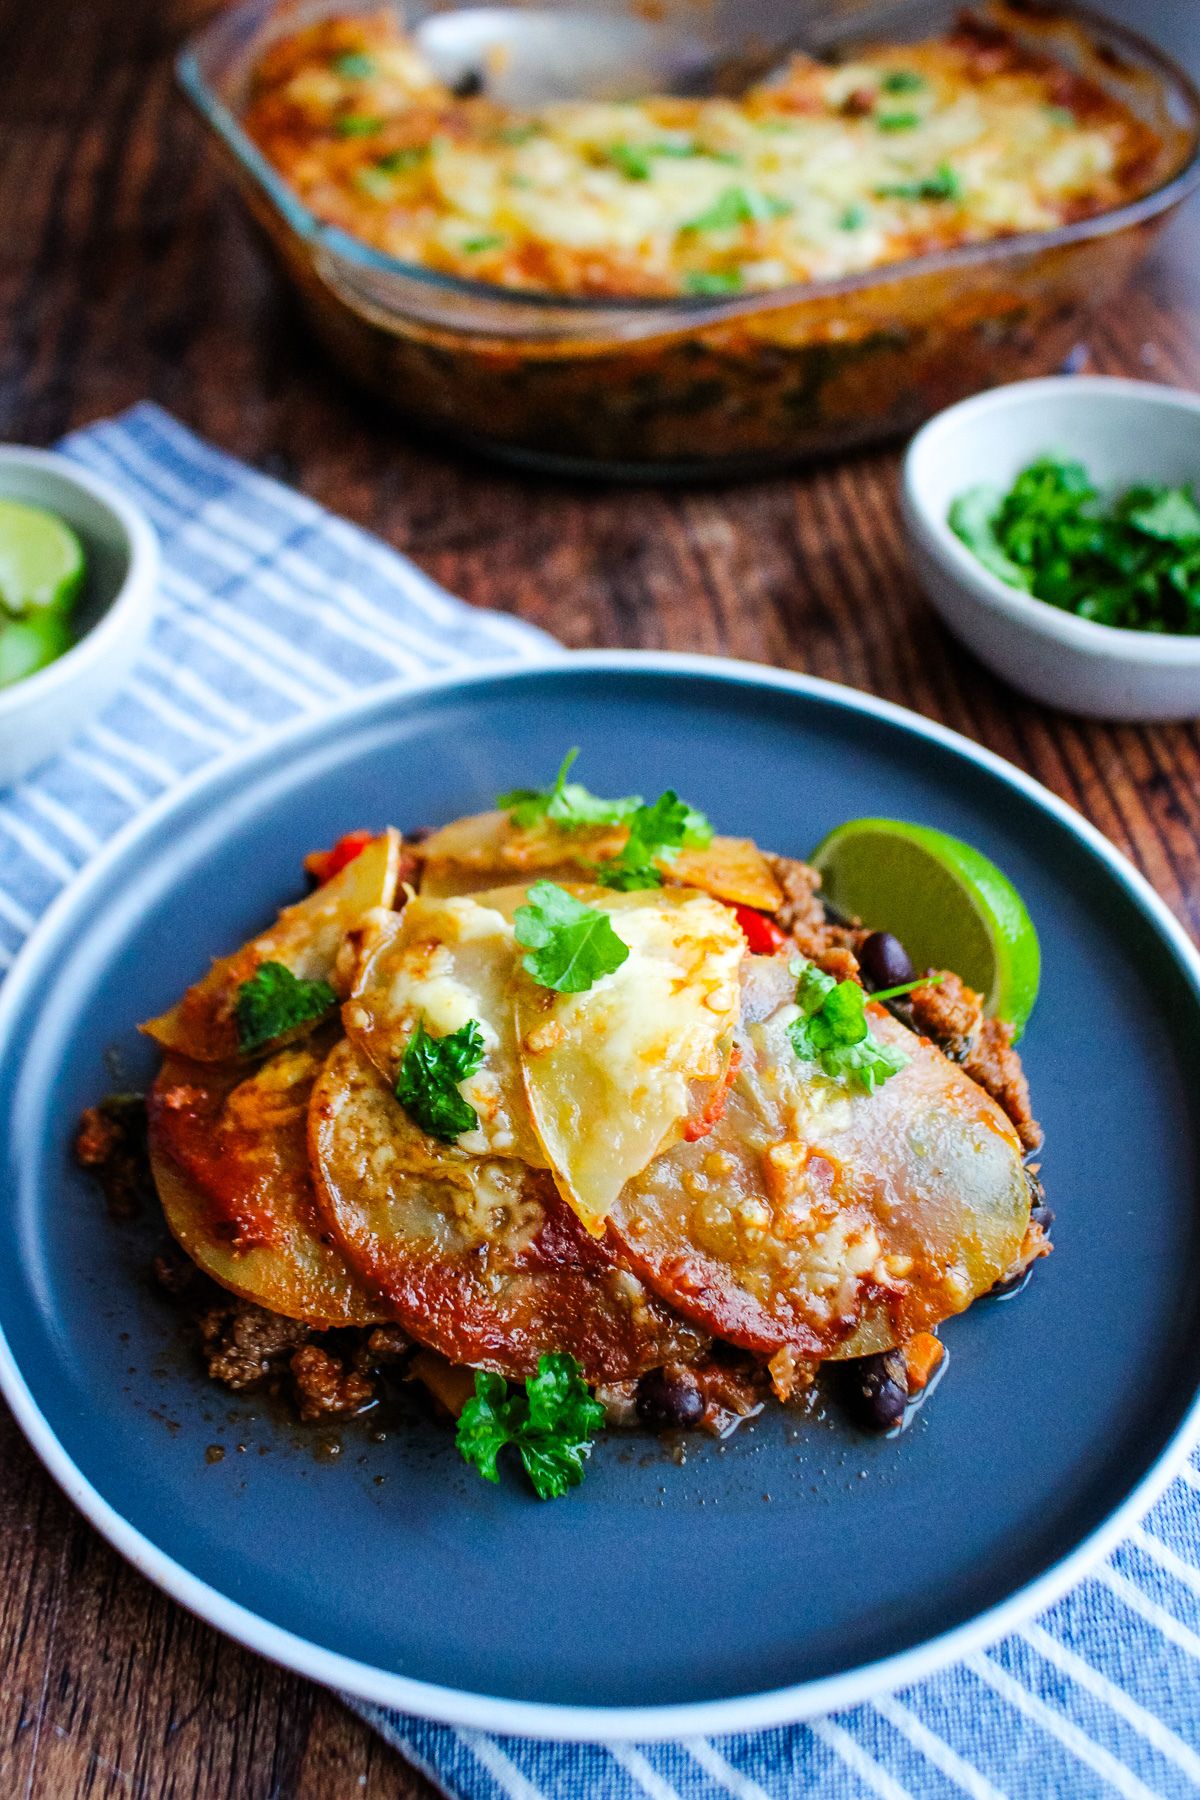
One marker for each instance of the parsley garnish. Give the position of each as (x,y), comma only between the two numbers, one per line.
(902,81)
(711,286)
(427,1086)
(901,121)
(274,1001)
(833,1030)
(550,1425)
(570,945)
(943,184)
(633,160)
(738,206)
(352,65)
(654,831)
(567,804)
(1133,561)
(357,125)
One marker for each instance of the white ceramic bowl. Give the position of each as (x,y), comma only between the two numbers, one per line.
(42,713)
(1124,432)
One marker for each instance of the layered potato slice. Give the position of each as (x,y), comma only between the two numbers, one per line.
(819,1220)
(477,1256)
(613,1073)
(229,1152)
(487,850)
(306,938)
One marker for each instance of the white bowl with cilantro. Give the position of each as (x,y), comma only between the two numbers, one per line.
(78,574)
(1055,526)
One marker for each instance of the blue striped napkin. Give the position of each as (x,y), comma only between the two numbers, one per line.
(271,608)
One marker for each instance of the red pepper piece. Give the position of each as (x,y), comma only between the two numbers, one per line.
(762,934)
(323,865)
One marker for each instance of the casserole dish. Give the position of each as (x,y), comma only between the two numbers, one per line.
(717,385)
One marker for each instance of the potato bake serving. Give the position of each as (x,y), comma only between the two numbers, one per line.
(825,170)
(579,1095)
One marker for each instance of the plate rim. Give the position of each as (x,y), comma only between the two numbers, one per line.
(786,1705)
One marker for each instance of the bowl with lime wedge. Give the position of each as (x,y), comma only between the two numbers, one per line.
(78,574)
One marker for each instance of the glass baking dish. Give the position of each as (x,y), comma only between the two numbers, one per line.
(700,387)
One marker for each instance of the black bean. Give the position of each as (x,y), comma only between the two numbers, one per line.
(876,1388)
(884,961)
(669,1398)
(1042,1215)
(468,85)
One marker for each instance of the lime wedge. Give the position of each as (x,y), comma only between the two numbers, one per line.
(27,645)
(41,560)
(950,907)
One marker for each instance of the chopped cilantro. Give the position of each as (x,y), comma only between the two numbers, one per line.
(427,1086)
(739,206)
(475,246)
(570,945)
(1132,561)
(853,219)
(715,283)
(943,184)
(353,65)
(899,121)
(567,804)
(902,81)
(550,1425)
(633,160)
(357,125)
(396,162)
(833,1031)
(654,831)
(274,1001)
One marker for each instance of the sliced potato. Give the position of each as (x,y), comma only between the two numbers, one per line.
(442,963)
(229,1152)
(305,938)
(486,849)
(612,1072)
(477,1257)
(825,1220)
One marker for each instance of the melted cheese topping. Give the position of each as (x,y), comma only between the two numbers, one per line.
(822,172)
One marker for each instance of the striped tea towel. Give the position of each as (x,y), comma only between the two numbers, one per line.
(271,608)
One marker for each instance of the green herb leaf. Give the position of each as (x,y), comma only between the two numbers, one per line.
(900,121)
(398,162)
(353,65)
(853,218)
(488,240)
(1060,115)
(833,1031)
(972,518)
(654,831)
(567,804)
(633,160)
(714,284)
(357,125)
(274,1001)
(517,134)
(570,945)
(551,1425)
(427,1086)
(1168,514)
(739,206)
(943,184)
(902,81)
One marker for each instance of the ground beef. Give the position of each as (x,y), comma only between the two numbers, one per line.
(325,1387)
(243,1344)
(111,1142)
(952,1015)
(829,944)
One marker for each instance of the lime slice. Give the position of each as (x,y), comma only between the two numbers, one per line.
(27,645)
(950,907)
(41,560)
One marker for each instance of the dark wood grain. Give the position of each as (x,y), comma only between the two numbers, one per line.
(127,270)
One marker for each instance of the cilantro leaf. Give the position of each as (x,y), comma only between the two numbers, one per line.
(738,206)
(943,184)
(1169,514)
(357,125)
(550,1425)
(274,1001)
(570,945)
(833,1031)
(715,283)
(899,121)
(902,81)
(427,1085)
(354,65)
(567,804)
(654,831)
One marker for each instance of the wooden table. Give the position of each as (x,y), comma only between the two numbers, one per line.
(127,270)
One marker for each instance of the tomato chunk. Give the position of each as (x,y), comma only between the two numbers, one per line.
(762,934)
(323,865)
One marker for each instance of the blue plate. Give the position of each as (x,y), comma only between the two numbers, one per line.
(799,1567)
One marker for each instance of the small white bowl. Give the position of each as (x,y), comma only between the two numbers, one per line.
(42,713)
(1124,432)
